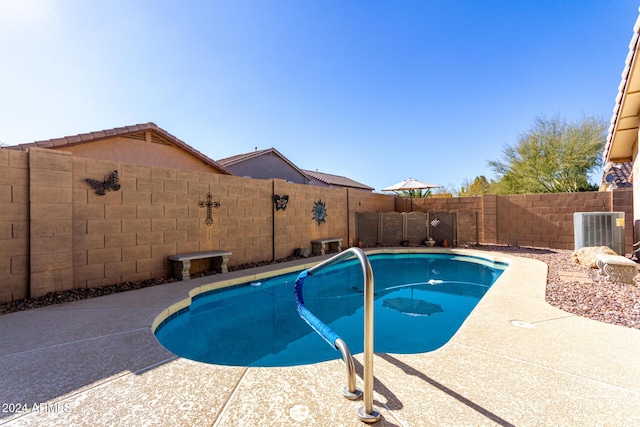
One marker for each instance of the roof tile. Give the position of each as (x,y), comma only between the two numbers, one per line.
(622,87)
(45,144)
(337,180)
(56,142)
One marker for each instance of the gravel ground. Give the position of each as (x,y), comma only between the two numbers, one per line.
(601,300)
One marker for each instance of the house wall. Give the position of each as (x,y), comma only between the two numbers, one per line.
(636,192)
(265,167)
(141,152)
(318,183)
(56,233)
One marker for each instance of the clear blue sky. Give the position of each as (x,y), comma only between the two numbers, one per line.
(374,90)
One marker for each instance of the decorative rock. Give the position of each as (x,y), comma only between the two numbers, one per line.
(302,252)
(587,256)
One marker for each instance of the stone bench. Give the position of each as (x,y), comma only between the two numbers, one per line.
(617,268)
(333,244)
(182,262)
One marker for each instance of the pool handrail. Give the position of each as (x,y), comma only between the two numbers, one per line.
(325,332)
(367,412)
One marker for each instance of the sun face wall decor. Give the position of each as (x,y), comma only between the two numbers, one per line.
(319,211)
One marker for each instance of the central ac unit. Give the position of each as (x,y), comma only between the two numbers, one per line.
(599,229)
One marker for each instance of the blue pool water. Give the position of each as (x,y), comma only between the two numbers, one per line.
(420,302)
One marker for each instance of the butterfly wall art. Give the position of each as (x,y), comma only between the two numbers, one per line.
(109,183)
(280,202)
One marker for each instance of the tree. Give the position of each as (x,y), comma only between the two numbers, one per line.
(478,187)
(554,156)
(417,194)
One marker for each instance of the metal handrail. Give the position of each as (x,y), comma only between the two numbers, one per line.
(367,412)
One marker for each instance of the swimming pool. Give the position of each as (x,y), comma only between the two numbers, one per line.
(421,299)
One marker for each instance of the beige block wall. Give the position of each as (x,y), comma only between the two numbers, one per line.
(50,221)
(126,235)
(540,220)
(14,225)
(545,220)
(295,227)
(77,238)
(56,233)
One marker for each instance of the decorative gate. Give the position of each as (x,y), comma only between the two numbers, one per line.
(367,228)
(395,228)
(442,226)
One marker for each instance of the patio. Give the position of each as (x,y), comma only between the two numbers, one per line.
(96,362)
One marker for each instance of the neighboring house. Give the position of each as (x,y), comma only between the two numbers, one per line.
(616,175)
(270,163)
(142,144)
(264,164)
(622,141)
(328,180)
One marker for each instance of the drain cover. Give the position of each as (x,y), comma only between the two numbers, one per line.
(299,412)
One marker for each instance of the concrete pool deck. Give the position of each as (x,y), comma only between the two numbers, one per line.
(516,361)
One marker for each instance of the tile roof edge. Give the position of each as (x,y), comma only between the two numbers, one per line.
(115,132)
(622,87)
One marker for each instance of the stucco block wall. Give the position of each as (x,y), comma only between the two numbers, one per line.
(56,233)
(295,226)
(51,221)
(546,220)
(14,225)
(126,235)
(540,220)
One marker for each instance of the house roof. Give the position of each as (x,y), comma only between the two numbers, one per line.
(623,131)
(239,158)
(337,180)
(617,175)
(139,130)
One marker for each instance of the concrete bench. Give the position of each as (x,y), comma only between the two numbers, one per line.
(333,243)
(182,262)
(617,268)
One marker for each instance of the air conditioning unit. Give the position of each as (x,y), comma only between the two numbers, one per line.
(599,229)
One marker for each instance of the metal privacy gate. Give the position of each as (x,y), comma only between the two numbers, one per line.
(396,228)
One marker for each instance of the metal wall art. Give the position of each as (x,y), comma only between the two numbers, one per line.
(319,211)
(109,183)
(280,202)
(209,204)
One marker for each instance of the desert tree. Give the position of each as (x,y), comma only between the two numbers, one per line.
(554,156)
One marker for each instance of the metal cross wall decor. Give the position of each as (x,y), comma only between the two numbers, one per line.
(209,204)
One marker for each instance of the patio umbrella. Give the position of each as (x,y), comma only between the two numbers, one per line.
(410,184)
